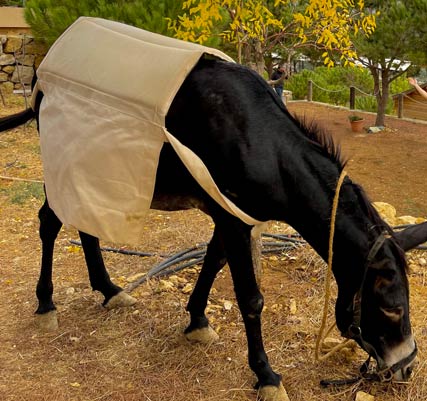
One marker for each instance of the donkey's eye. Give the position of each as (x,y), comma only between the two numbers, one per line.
(384,278)
(394,314)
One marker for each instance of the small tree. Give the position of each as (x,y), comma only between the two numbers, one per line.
(260,25)
(400,37)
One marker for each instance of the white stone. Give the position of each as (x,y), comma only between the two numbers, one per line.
(362,396)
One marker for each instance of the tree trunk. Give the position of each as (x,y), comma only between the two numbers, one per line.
(257,61)
(382,98)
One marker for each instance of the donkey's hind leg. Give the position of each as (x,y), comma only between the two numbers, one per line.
(99,277)
(199,328)
(49,229)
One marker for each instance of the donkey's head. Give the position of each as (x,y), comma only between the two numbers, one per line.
(377,317)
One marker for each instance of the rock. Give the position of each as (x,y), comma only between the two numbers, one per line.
(387,211)
(13,44)
(187,288)
(70,291)
(401,220)
(422,262)
(7,59)
(228,305)
(165,286)
(3,76)
(27,60)
(8,69)
(362,396)
(292,306)
(23,74)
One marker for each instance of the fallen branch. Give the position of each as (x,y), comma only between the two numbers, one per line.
(3,177)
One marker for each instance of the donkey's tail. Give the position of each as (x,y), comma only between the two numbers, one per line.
(15,120)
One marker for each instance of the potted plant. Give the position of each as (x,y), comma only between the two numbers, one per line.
(356,122)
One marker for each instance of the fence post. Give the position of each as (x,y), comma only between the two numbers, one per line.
(400,106)
(310,90)
(352,97)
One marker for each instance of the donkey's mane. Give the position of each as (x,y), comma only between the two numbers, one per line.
(319,135)
(331,149)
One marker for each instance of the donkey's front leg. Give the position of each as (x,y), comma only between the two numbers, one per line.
(236,238)
(99,277)
(199,328)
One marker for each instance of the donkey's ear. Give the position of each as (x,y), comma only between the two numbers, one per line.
(412,236)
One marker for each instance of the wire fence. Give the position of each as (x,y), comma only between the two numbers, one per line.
(359,93)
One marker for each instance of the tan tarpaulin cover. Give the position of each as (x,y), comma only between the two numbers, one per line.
(108,88)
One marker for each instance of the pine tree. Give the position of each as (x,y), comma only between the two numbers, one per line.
(49,18)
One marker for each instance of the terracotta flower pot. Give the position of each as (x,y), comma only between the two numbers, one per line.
(357,125)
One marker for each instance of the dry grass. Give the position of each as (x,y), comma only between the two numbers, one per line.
(140,353)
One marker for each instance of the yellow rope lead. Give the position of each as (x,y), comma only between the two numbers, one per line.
(329,276)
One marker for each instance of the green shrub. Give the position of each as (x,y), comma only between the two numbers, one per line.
(332,85)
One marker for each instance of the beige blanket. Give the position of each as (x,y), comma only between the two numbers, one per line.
(108,88)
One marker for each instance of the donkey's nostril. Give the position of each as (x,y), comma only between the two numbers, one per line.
(406,373)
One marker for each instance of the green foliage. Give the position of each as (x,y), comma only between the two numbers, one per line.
(355,117)
(11,3)
(49,18)
(401,36)
(332,85)
(298,84)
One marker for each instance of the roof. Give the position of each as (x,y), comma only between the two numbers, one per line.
(12,17)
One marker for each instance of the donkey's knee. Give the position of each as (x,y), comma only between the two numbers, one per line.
(253,307)
(49,223)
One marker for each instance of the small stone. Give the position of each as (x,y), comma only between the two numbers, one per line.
(292,306)
(174,279)
(13,44)
(7,59)
(362,396)
(228,305)
(70,291)
(187,288)
(165,285)
(422,262)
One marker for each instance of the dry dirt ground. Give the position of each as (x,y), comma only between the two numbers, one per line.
(140,353)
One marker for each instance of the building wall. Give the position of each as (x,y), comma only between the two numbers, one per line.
(414,105)
(12,21)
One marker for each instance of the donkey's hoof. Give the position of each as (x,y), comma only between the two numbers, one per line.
(273,393)
(47,321)
(120,300)
(205,335)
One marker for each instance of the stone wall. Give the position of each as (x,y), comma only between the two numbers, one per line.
(20,55)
